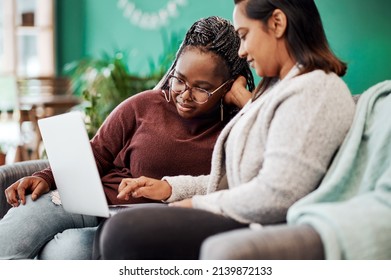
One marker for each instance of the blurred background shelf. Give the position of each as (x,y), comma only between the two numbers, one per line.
(30,88)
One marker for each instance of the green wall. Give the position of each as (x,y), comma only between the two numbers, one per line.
(108,29)
(70,31)
(358,32)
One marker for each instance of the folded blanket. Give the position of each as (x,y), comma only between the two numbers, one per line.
(351,209)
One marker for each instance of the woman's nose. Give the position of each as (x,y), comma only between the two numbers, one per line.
(186,95)
(242,53)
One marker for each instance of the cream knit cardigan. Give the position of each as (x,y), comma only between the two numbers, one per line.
(275,151)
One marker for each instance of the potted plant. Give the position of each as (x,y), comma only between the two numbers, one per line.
(105,82)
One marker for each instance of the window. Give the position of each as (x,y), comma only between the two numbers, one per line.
(27,38)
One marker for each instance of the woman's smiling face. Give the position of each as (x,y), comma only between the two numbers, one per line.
(260,43)
(257,44)
(200,69)
(264,44)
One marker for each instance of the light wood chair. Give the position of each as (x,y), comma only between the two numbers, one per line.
(40,98)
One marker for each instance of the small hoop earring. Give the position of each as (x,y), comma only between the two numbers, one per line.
(221,110)
(165,96)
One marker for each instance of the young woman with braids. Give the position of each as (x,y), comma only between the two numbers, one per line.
(272,153)
(168,130)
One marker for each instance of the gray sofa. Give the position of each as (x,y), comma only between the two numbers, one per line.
(13,172)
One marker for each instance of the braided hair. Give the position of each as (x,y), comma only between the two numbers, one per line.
(217,35)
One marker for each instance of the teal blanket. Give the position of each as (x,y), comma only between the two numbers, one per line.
(351,209)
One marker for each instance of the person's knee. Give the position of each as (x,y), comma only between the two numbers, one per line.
(19,230)
(27,210)
(112,236)
(129,234)
(71,244)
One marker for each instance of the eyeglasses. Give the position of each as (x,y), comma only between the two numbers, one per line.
(198,95)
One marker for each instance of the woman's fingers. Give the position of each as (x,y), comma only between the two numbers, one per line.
(12,195)
(39,188)
(127,187)
(16,193)
(144,187)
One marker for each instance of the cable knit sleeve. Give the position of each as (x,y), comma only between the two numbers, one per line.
(186,186)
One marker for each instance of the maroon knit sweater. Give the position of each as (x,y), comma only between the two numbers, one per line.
(145,136)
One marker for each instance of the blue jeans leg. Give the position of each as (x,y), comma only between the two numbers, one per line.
(26,229)
(71,244)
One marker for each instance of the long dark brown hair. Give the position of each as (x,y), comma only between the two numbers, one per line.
(305,37)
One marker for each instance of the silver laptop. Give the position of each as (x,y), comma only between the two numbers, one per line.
(73,165)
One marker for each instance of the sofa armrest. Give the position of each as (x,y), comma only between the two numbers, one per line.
(13,172)
(274,242)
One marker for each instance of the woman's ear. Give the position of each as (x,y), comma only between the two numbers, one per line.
(278,23)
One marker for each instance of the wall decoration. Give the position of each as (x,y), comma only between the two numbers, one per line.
(150,20)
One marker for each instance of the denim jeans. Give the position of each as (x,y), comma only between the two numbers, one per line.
(71,244)
(45,230)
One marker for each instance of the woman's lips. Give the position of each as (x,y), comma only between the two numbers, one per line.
(181,106)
